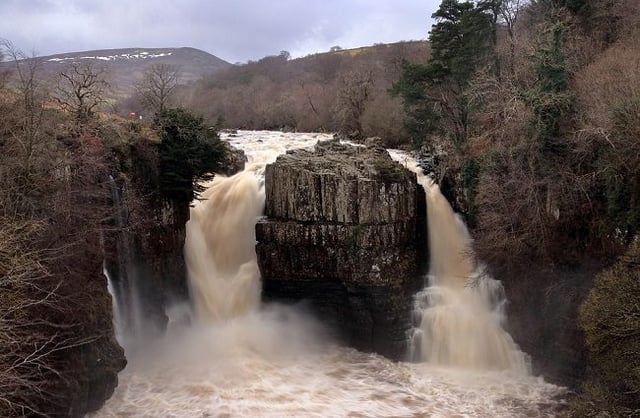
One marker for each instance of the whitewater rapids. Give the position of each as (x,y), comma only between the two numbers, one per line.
(268,360)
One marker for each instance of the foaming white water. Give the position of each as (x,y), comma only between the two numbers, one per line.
(459,314)
(115,307)
(219,248)
(220,235)
(226,370)
(240,358)
(263,147)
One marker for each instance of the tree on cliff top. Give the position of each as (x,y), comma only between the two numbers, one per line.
(434,94)
(80,90)
(190,153)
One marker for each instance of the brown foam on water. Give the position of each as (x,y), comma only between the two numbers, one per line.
(218,374)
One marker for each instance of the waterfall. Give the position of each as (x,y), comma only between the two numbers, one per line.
(459,314)
(224,279)
(219,248)
(243,358)
(115,306)
(129,323)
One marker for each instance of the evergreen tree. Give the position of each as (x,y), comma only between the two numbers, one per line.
(421,119)
(434,94)
(459,41)
(190,153)
(551,98)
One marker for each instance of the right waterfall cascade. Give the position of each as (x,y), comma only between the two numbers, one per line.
(459,315)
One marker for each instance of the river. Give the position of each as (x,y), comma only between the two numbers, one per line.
(238,357)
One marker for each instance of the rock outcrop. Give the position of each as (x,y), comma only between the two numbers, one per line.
(234,159)
(344,230)
(90,370)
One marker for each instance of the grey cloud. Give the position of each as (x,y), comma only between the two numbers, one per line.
(235,30)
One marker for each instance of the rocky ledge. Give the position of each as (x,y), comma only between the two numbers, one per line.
(345,230)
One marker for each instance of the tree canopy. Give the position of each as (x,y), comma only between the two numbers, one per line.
(190,153)
(434,93)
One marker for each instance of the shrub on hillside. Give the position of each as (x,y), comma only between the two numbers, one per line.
(609,92)
(610,318)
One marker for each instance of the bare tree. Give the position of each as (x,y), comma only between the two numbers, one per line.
(24,118)
(4,72)
(353,93)
(48,237)
(80,90)
(158,85)
(36,330)
(509,13)
(308,96)
(21,372)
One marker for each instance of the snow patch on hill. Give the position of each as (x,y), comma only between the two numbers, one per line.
(118,57)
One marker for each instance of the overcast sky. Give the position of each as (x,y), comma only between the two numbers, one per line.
(234,30)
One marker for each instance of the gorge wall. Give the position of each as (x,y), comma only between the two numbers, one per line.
(89,367)
(58,353)
(144,258)
(345,231)
(144,245)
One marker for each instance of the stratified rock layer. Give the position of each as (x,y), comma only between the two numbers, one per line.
(344,230)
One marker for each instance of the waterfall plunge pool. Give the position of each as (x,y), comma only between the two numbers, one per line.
(244,358)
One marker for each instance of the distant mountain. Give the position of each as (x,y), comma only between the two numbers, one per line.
(125,67)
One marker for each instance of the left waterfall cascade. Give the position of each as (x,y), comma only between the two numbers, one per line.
(219,248)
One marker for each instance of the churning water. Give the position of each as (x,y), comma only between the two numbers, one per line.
(241,358)
(459,314)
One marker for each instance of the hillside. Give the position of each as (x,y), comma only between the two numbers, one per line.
(125,67)
(343,90)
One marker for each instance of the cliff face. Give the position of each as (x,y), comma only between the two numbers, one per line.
(145,244)
(542,318)
(90,368)
(58,353)
(143,254)
(344,230)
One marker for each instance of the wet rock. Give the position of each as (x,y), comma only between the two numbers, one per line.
(234,160)
(344,230)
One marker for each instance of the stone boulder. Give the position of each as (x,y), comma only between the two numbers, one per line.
(345,231)
(234,160)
